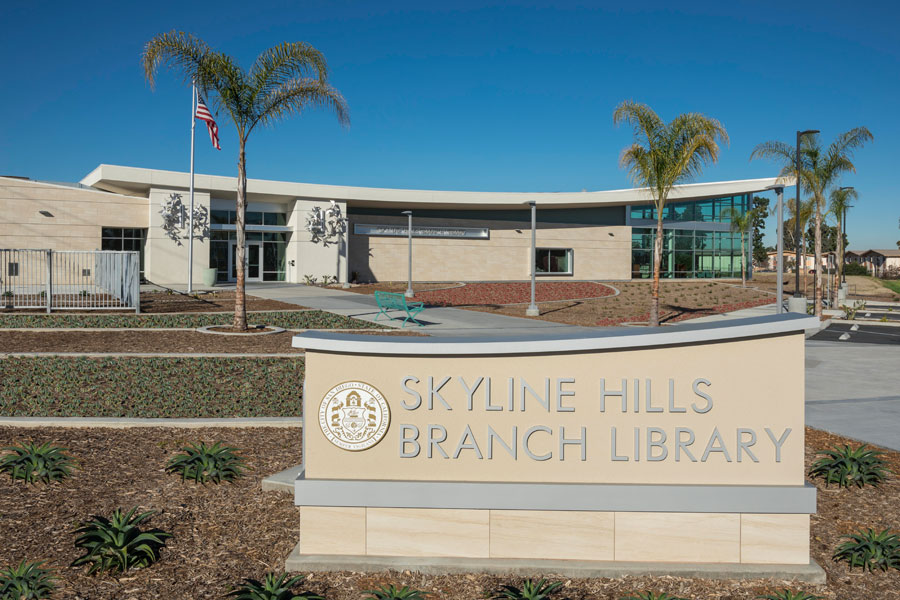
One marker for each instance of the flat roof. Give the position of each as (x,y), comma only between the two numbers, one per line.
(139,181)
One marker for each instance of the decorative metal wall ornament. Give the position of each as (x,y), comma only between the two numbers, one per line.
(326,226)
(175,219)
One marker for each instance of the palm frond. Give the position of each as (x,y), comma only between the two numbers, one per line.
(177,51)
(284,63)
(297,95)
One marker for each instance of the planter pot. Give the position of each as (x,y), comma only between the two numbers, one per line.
(208,277)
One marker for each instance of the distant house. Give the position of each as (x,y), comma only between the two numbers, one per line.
(877,262)
(789,258)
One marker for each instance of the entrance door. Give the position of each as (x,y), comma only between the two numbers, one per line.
(252,262)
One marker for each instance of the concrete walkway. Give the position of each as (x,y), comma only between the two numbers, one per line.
(437,321)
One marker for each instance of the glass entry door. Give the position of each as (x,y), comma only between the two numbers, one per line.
(252,264)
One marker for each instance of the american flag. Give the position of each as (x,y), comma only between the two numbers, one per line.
(204,115)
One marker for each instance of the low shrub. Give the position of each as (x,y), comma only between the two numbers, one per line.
(530,590)
(870,550)
(392,592)
(29,580)
(273,587)
(651,596)
(848,466)
(32,463)
(789,595)
(855,269)
(119,544)
(202,463)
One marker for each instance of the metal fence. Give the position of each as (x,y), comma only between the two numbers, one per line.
(70,280)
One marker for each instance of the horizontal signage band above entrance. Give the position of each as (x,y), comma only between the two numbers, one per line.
(475,233)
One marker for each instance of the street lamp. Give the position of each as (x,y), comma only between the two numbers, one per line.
(797,215)
(532,310)
(843,234)
(779,260)
(409,290)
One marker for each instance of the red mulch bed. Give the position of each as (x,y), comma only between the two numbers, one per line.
(477,294)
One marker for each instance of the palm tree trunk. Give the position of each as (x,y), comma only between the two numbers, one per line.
(743,265)
(817,293)
(803,263)
(657,265)
(839,271)
(240,307)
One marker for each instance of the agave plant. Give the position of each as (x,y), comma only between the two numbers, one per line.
(392,592)
(33,463)
(530,590)
(28,580)
(273,587)
(789,595)
(202,463)
(848,466)
(870,550)
(119,543)
(651,596)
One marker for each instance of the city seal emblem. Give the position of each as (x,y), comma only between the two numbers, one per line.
(354,415)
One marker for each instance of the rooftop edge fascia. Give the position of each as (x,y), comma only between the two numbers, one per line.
(91,190)
(115,176)
(619,338)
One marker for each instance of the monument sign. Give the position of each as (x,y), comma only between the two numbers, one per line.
(680,444)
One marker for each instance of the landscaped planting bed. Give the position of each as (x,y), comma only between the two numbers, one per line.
(224,533)
(475,294)
(150,387)
(150,340)
(679,300)
(301,319)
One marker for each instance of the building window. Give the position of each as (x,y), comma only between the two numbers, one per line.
(712,210)
(229,217)
(553,261)
(124,239)
(688,253)
(272,260)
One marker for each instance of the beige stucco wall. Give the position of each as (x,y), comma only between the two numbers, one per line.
(600,252)
(77,215)
(166,260)
(314,259)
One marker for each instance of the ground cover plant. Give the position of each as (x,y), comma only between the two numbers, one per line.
(651,596)
(848,466)
(300,319)
(273,587)
(786,594)
(870,550)
(119,543)
(393,592)
(530,590)
(225,534)
(33,463)
(202,463)
(26,581)
(64,386)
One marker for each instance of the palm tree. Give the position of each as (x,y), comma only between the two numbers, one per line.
(741,223)
(806,211)
(820,170)
(284,80)
(662,156)
(840,204)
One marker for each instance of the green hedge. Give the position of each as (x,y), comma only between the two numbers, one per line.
(154,387)
(302,319)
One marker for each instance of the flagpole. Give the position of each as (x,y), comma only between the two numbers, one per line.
(190,282)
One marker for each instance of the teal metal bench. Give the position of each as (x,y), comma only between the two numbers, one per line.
(390,301)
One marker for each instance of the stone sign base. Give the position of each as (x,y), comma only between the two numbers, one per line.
(297,562)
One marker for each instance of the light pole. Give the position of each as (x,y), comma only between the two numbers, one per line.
(779,248)
(409,290)
(800,134)
(843,234)
(532,310)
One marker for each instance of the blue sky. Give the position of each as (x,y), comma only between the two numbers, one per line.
(467,96)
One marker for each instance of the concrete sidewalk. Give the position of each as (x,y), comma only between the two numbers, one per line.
(437,321)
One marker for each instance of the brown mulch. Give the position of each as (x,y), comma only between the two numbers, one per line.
(143,341)
(227,532)
(163,302)
(398,287)
(222,533)
(679,300)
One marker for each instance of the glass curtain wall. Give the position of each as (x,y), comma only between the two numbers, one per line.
(690,253)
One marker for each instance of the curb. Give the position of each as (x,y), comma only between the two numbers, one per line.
(868,322)
(127,422)
(210,329)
